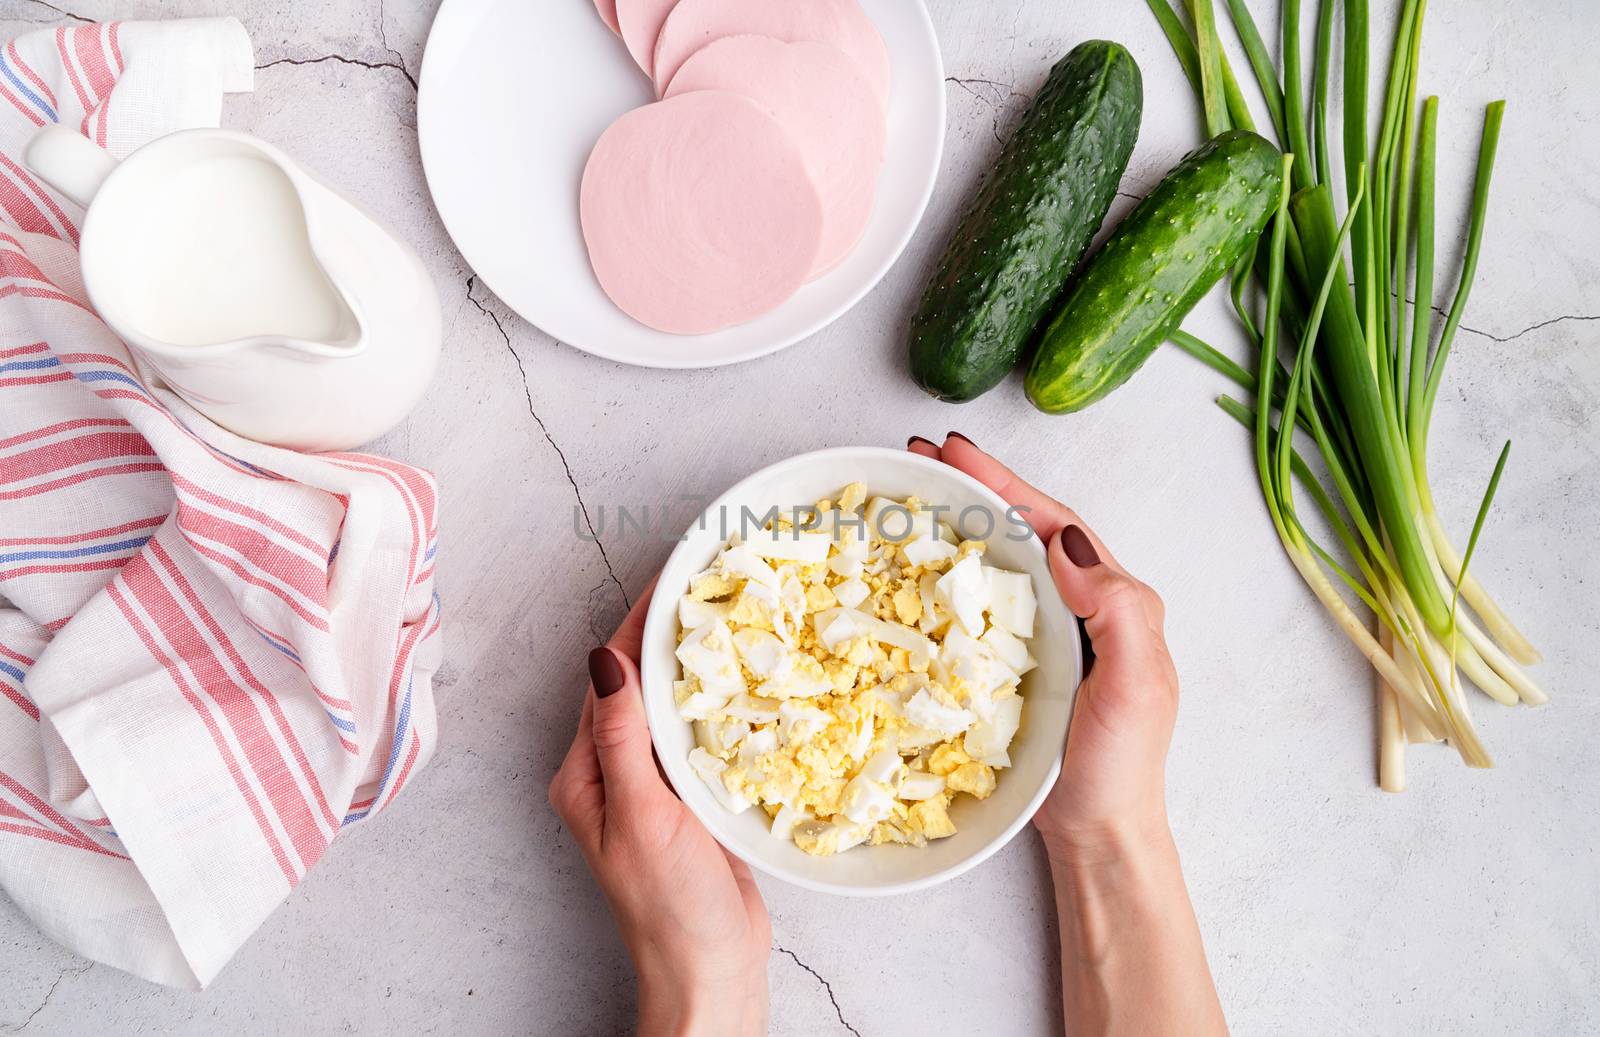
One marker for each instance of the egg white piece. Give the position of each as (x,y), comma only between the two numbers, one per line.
(790,545)
(707,654)
(851,592)
(711,770)
(1010,649)
(920,785)
(866,802)
(964,593)
(786,818)
(836,626)
(694,613)
(926,550)
(720,737)
(801,722)
(744,563)
(751,709)
(977,665)
(793,684)
(831,837)
(884,766)
(1011,601)
(988,741)
(851,557)
(764,654)
(757,742)
(923,710)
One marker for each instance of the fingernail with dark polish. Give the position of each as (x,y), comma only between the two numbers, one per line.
(1075,542)
(914,440)
(964,439)
(605,672)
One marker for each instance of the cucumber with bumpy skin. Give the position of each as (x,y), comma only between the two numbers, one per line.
(1029,224)
(1159,262)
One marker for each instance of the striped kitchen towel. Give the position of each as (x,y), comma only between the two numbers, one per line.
(214,654)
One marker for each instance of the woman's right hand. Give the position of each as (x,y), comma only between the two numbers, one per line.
(1132,961)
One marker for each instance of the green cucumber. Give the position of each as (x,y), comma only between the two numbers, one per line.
(1029,223)
(1132,294)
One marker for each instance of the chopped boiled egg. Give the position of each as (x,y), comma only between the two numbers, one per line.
(692,612)
(802,678)
(963,592)
(926,551)
(751,709)
(853,671)
(851,592)
(920,785)
(720,737)
(1009,648)
(790,545)
(711,770)
(758,742)
(762,652)
(987,741)
(1011,602)
(923,710)
(823,838)
(742,563)
(867,801)
(786,818)
(801,722)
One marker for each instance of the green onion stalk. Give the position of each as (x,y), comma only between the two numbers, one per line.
(1349,357)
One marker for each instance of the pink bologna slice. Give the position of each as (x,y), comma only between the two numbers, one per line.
(699,213)
(827,107)
(639,23)
(694,23)
(608,13)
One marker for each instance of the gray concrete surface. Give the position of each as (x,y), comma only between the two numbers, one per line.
(1469,904)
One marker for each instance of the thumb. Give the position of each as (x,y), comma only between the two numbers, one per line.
(621,736)
(1120,614)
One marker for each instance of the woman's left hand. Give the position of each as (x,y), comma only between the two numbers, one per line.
(690,913)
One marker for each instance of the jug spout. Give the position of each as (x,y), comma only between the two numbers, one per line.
(69,162)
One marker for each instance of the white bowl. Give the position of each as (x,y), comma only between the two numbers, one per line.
(983,826)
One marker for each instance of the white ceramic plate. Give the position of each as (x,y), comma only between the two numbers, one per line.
(514,94)
(1048,692)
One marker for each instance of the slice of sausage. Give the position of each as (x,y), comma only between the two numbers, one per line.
(694,23)
(639,23)
(699,213)
(827,107)
(608,14)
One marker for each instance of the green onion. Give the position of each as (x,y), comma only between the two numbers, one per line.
(1348,356)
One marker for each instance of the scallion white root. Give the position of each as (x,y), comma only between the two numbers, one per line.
(1391,729)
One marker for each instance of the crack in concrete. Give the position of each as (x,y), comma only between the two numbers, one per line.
(968,82)
(62,11)
(1491,336)
(995,104)
(395,66)
(826,986)
(383,37)
(527,391)
(1530,328)
(48,994)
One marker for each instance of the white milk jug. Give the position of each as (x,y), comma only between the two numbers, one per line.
(276,306)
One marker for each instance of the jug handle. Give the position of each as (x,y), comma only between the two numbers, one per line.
(68,162)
